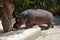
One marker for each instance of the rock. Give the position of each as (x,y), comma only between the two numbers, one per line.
(28,34)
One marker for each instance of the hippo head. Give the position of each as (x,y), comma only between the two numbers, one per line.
(18,23)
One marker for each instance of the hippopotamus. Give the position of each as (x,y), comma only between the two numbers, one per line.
(31,17)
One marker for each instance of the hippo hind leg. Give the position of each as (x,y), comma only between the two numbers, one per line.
(50,25)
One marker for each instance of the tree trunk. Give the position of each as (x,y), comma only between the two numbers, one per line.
(7,15)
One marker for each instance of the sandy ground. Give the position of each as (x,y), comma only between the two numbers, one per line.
(51,34)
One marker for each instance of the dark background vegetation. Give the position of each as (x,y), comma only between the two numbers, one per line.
(21,5)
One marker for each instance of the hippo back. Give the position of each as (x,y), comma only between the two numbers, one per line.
(38,13)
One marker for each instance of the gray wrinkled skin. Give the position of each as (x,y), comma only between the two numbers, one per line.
(33,17)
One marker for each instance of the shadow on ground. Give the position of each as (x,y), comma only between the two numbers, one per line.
(44,28)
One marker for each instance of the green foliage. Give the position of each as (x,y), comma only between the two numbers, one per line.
(55,10)
(50,5)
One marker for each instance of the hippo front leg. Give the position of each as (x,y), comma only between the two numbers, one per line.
(29,24)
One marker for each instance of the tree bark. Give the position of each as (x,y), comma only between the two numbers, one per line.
(7,15)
